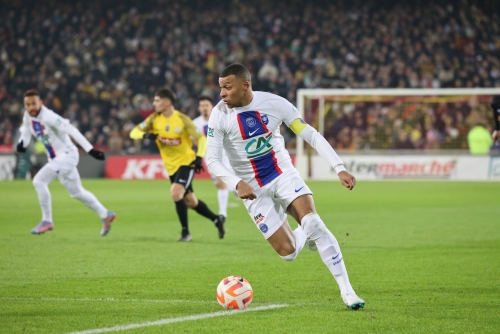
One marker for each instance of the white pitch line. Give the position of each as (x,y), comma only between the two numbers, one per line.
(110,300)
(179,319)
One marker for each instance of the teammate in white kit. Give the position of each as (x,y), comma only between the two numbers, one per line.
(205,106)
(54,133)
(246,125)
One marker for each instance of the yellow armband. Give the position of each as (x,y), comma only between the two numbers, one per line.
(298,125)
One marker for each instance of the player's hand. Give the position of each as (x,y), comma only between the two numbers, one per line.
(150,136)
(347,180)
(496,136)
(245,191)
(97,154)
(198,165)
(20,148)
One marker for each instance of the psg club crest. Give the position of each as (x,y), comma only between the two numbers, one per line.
(251,122)
(264,119)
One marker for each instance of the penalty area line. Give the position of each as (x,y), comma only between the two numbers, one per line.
(179,319)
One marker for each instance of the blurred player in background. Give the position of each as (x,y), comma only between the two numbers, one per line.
(246,125)
(205,106)
(54,133)
(495,105)
(172,131)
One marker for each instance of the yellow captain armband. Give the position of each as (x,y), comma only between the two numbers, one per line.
(298,125)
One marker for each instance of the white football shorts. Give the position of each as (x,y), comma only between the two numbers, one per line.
(268,210)
(65,165)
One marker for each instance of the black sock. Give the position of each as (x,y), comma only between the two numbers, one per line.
(203,210)
(182,212)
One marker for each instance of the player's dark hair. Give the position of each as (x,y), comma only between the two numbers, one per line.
(206,98)
(238,70)
(31,92)
(166,93)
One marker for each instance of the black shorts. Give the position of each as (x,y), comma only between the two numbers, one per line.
(184,176)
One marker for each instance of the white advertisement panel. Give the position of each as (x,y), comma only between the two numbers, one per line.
(7,164)
(412,167)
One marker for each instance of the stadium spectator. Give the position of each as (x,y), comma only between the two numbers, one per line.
(94,62)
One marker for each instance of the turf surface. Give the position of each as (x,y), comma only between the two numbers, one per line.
(425,257)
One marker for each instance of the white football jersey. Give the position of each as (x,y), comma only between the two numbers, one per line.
(251,137)
(52,131)
(202,126)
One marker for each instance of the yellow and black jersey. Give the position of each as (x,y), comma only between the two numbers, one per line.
(174,138)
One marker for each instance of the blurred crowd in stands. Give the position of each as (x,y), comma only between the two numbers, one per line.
(99,63)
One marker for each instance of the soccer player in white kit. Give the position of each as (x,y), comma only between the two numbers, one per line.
(246,125)
(54,133)
(205,106)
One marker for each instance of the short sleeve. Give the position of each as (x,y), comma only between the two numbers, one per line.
(288,111)
(215,131)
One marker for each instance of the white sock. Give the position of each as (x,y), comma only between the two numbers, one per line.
(41,183)
(76,190)
(329,250)
(223,196)
(300,241)
(45,200)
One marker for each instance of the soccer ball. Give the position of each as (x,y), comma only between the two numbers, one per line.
(234,292)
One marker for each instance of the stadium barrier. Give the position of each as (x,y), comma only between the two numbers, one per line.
(139,167)
(416,167)
(7,165)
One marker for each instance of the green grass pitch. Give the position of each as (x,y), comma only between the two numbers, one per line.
(424,255)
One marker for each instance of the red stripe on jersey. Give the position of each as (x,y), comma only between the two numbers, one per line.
(256,172)
(242,130)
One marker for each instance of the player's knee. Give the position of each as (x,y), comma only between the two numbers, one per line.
(190,202)
(177,193)
(75,194)
(38,183)
(221,185)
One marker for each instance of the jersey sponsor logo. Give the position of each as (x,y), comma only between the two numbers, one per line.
(258,218)
(263,228)
(58,122)
(211,132)
(40,135)
(294,108)
(264,119)
(170,141)
(252,132)
(143,125)
(259,146)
